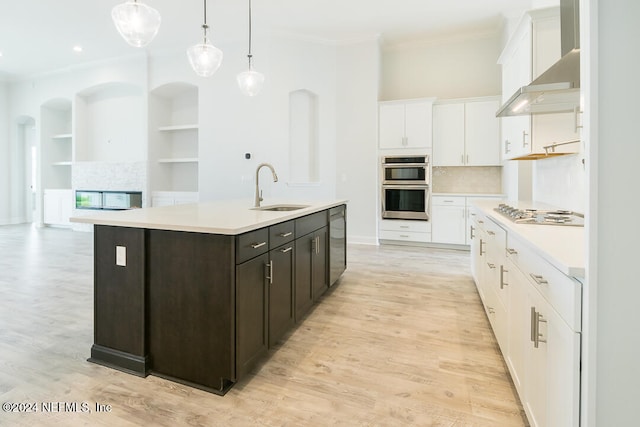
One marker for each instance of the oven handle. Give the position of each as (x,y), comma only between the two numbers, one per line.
(405,165)
(405,187)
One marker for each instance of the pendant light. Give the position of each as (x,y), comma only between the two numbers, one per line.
(136,22)
(250,81)
(204,57)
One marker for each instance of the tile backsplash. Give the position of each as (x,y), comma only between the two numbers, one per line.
(459,179)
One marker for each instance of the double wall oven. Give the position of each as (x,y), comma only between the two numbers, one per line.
(405,187)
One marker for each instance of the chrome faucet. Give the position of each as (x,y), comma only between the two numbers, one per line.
(258,191)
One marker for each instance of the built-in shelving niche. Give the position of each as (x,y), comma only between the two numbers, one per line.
(56,142)
(173,139)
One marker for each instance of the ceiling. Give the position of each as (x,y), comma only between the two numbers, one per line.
(38,35)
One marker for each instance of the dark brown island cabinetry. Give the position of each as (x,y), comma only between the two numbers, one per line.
(200,308)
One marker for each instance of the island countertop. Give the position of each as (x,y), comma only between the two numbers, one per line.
(229,217)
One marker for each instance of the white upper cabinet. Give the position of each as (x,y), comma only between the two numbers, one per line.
(466,133)
(448,134)
(533,48)
(405,124)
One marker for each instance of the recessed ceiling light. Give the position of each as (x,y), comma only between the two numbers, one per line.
(77,49)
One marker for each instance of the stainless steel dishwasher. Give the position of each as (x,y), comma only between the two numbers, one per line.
(337,242)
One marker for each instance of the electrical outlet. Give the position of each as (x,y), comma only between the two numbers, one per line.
(121,256)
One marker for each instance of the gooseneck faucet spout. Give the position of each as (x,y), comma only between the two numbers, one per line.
(258,198)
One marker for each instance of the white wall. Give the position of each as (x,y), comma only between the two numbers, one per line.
(561,181)
(612,292)
(259,125)
(357,137)
(5,192)
(448,68)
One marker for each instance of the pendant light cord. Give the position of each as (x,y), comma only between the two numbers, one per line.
(205,26)
(249,55)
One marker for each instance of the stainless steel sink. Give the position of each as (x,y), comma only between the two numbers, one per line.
(280,208)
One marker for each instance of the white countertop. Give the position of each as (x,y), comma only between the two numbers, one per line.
(230,217)
(561,246)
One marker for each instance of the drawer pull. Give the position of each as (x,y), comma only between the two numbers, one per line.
(491,265)
(539,279)
(406,236)
(404,226)
(491,233)
(287,234)
(285,250)
(258,245)
(512,251)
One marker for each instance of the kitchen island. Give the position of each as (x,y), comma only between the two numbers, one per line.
(198,293)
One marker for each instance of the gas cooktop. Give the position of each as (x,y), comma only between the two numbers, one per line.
(542,217)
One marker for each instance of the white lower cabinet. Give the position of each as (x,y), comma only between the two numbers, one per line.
(58,206)
(449,217)
(401,230)
(534,311)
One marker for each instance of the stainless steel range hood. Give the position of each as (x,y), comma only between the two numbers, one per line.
(557,90)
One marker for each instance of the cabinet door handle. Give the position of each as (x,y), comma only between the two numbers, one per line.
(536,319)
(467,159)
(462,159)
(512,251)
(287,234)
(576,111)
(258,245)
(539,279)
(491,310)
(507,143)
(481,244)
(533,330)
(471,235)
(270,274)
(502,282)
(480,222)
(491,233)
(285,250)
(492,266)
(524,139)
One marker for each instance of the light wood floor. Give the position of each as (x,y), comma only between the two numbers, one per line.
(402,340)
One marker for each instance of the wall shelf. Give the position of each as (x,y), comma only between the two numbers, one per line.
(179,160)
(177,128)
(62,136)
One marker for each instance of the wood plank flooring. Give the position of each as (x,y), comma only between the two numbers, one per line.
(402,340)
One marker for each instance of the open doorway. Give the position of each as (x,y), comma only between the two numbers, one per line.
(28,153)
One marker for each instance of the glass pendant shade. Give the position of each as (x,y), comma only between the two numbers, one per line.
(205,58)
(136,22)
(250,82)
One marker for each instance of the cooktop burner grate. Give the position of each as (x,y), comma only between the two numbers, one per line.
(542,217)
